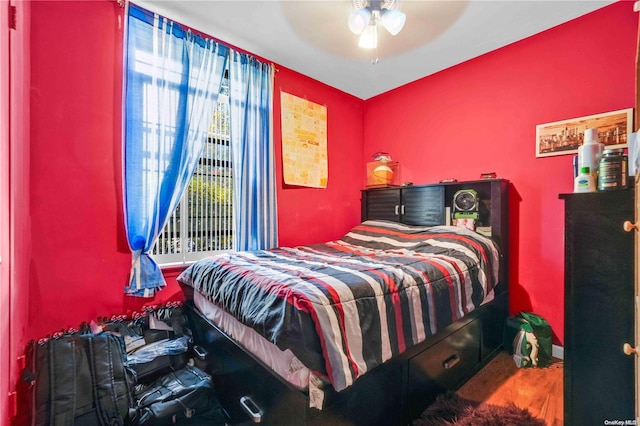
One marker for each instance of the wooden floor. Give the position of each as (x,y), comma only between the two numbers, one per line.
(537,389)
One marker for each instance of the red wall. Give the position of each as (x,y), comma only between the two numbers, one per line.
(311,215)
(481,116)
(80,259)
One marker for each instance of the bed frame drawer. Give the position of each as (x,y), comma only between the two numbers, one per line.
(247,391)
(245,386)
(445,365)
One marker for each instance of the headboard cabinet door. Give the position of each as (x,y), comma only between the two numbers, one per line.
(423,205)
(419,205)
(381,204)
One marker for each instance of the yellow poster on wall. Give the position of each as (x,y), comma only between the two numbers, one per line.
(304,142)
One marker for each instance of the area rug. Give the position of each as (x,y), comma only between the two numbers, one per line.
(452,409)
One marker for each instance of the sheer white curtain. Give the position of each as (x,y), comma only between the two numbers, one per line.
(172,81)
(254,187)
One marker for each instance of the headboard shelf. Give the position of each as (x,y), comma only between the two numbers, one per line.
(430,204)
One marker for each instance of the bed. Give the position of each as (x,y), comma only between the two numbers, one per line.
(366,329)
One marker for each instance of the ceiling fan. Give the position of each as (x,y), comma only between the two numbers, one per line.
(368,13)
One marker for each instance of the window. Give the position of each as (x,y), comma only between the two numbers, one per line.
(202,223)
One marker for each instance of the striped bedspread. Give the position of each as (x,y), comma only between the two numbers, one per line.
(346,306)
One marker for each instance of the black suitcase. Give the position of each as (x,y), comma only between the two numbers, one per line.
(158,358)
(153,350)
(149,371)
(186,396)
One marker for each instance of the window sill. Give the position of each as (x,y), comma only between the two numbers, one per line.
(173,271)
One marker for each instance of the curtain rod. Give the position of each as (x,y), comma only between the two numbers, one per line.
(123,3)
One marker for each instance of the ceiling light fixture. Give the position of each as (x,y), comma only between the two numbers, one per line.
(368,13)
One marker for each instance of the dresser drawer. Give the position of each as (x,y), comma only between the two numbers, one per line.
(445,365)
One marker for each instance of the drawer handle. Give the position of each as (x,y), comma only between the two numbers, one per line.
(628,226)
(200,352)
(397,207)
(629,350)
(451,361)
(251,408)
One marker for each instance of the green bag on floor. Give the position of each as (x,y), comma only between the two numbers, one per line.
(527,336)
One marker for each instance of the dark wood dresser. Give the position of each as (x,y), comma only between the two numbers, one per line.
(599,308)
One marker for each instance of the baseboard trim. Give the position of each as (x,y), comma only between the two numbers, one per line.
(557,351)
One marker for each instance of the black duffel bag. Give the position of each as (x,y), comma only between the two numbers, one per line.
(186,396)
(78,379)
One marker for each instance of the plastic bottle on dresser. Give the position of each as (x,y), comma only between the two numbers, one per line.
(584,182)
(589,152)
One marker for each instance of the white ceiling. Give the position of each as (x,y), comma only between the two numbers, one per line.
(311,36)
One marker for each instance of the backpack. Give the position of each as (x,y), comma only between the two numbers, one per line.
(79,379)
(527,336)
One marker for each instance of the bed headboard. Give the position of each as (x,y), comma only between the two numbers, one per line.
(429,204)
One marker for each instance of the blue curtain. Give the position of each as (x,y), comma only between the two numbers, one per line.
(172,80)
(254,188)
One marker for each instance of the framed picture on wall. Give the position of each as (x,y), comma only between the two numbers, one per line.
(565,136)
